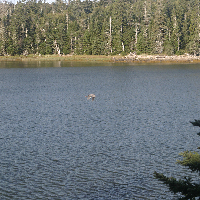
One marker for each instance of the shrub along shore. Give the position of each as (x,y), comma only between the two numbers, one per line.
(133,58)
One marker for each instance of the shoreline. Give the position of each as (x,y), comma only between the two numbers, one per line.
(159,59)
(131,58)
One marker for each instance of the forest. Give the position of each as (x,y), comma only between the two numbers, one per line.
(103,27)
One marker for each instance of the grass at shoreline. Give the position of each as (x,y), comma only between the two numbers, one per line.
(141,59)
(79,58)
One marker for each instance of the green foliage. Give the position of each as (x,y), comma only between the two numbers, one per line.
(187,187)
(168,49)
(190,159)
(83,27)
(143,44)
(193,47)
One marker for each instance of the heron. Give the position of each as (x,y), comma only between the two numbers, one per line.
(91,96)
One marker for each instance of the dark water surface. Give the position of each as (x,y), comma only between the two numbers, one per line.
(55,144)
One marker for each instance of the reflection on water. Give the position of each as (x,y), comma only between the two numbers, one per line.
(54,144)
(39,64)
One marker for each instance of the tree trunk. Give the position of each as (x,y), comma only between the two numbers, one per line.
(110,35)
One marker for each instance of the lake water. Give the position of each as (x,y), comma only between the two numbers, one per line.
(56,144)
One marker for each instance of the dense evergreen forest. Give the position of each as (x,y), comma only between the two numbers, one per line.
(104,27)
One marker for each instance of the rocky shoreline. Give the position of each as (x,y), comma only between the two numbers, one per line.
(132,57)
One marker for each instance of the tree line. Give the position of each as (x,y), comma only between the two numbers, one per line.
(103,27)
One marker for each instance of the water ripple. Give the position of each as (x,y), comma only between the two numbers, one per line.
(57,145)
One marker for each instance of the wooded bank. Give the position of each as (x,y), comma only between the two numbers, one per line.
(104,27)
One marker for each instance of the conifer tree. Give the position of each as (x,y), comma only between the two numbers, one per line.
(159,27)
(187,187)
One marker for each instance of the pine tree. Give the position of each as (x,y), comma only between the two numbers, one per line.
(158,24)
(143,40)
(187,187)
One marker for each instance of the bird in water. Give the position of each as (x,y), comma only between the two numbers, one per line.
(91,96)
